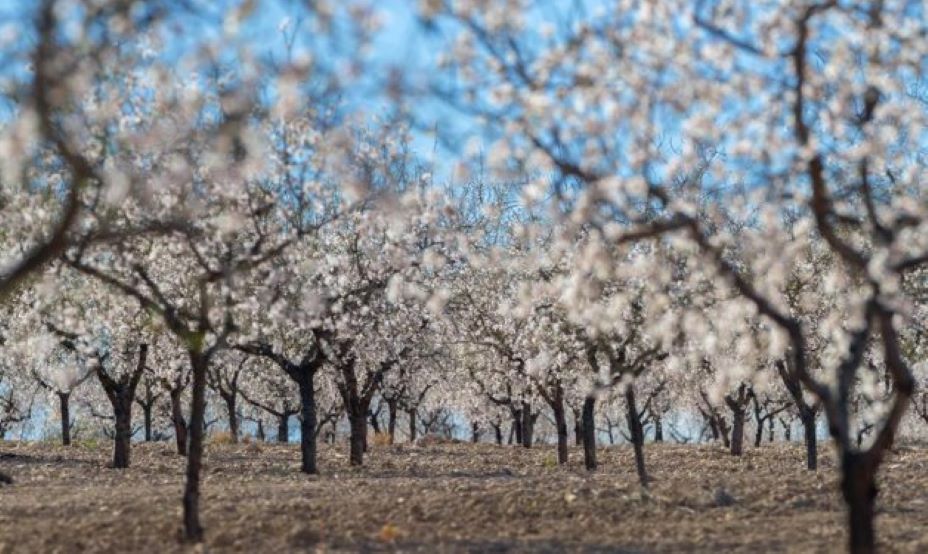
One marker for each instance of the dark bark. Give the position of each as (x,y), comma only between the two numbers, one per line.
(516,426)
(259,432)
(375,423)
(64,405)
(475,432)
(307,425)
(147,417)
(528,425)
(193,531)
(498,432)
(722,425)
(413,415)
(121,394)
(303,373)
(787,430)
(788,374)
(560,421)
(357,439)
(737,432)
(147,402)
(737,404)
(658,428)
(858,485)
(578,428)
(283,427)
(759,434)
(553,394)
(713,425)
(391,420)
(178,420)
(231,401)
(637,434)
(807,417)
(589,433)
(122,440)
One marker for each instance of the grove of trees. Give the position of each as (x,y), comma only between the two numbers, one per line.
(639,221)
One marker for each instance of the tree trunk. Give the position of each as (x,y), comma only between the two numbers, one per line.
(375,424)
(307,425)
(147,416)
(759,433)
(122,410)
(771,429)
(475,432)
(517,425)
(723,431)
(259,434)
(64,403)
(177,419)
(193,531)
(498,431)
(658,428)
(637,434)
(560,422)
(737,432)
(858,485)
(358,423)
(578,429)
(391,421)
(413,414)
(589,433)
(283,428)
(807,416)
(528,425)
(231,411)
(713,427)
(788,432)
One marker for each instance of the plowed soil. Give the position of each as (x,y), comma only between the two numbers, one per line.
(449,498)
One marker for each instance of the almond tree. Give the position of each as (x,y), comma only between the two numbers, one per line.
(792,142)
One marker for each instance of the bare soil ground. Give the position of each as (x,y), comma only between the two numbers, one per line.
(448,498)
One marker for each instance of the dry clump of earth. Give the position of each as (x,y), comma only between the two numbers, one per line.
(449,498)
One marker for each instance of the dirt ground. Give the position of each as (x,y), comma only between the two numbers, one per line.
(448,498)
